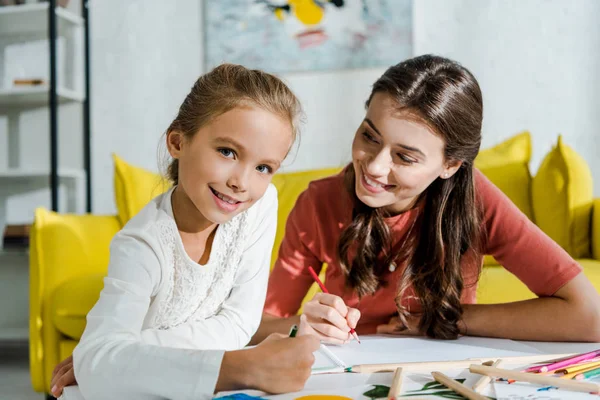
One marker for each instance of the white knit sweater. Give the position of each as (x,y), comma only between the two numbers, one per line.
(162,322)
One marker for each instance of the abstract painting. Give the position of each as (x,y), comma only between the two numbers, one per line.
(307,35)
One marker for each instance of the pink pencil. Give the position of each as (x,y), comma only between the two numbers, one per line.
(564,363)
(324,289)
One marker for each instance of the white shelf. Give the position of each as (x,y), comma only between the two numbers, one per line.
(16,176)
(37,96)
(33,18)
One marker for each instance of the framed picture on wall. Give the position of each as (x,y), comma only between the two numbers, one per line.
(307,35)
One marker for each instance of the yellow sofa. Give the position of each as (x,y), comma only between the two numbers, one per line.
(69,253)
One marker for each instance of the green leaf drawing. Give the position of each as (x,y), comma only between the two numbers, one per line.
(433,388)
(435,385)
(378,392)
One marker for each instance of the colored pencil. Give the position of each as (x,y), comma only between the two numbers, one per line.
(535,378)
(332,356)
(485,380)
(293,331)
(588,374)
(409,366)
(564,363)
(324,289)
(457,386)
(396,387)
(572,372)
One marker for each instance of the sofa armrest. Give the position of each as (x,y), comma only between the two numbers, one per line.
(62,247)
(596,229)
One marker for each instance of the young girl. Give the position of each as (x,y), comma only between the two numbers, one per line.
(404,228)
(187,277)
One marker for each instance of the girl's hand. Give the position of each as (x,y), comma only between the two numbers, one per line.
(327,317)
(396,327)
(63,375)
(277,365)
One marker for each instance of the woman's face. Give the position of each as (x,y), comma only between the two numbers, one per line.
(396,157)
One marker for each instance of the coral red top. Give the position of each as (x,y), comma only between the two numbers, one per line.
(325,209)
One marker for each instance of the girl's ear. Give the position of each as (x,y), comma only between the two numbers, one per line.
(175,143)
(450,169)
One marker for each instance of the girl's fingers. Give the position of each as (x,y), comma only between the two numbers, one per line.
(61,372)
(318,311)
(66,379)
(68,360)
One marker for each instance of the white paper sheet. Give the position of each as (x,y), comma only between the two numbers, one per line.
(378,349)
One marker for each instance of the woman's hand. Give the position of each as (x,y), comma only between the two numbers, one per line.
(396,327)
(63,375)
(327,317)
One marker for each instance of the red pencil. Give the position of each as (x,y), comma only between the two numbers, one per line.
(324,289)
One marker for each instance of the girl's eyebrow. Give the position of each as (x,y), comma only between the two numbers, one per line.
(409,148)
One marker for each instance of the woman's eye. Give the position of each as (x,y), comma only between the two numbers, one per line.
(405,159)
(264,169)
(368,137)
(227,152)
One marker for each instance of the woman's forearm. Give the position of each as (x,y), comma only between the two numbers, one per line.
(541,319)
(271,324)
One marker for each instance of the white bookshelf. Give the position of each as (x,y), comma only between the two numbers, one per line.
(26,23)
(27,19)
(36,96)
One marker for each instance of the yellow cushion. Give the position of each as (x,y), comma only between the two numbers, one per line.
(562,199)
(134,188)
(289,186)
(596,229)
(497,285)
(72,301)
(507,166)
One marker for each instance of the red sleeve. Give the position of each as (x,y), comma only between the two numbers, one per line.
(290,279)
(520,246)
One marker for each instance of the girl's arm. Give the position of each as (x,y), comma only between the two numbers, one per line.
(239,317)
(110,360)
(568,306)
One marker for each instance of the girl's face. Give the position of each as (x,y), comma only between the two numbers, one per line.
(228,164)
(396,157)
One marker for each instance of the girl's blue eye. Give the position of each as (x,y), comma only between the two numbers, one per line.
(226,152)
(264,169)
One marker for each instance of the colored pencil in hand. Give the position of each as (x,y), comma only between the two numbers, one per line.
(324,289)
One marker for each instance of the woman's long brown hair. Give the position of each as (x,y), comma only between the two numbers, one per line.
(446,97)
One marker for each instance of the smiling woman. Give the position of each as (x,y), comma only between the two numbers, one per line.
(404,227)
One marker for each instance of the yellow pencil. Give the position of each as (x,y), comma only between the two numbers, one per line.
(580,371)
(580,367)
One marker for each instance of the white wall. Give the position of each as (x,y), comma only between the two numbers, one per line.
(537,61)
(145,58)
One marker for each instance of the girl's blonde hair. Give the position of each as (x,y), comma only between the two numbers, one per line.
(226,87)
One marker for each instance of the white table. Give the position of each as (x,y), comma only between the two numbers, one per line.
(379,349)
